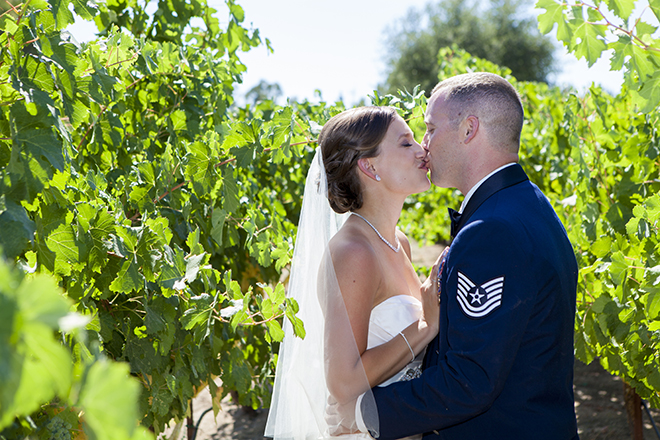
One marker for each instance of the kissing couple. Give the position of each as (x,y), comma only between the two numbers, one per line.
(483,348)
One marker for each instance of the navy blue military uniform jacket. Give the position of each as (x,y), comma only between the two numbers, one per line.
(501,366)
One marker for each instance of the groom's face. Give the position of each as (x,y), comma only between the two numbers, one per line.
(440,140)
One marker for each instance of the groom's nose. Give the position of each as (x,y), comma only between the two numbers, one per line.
(423,154)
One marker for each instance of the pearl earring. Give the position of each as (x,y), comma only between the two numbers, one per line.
(377,178)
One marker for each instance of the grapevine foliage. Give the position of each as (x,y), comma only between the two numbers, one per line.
(146,222)
(612,210)
(166,215)
(597,158)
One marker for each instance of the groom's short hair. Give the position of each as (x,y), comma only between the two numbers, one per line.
(489,97)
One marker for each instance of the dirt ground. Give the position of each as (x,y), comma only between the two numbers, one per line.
(598,402)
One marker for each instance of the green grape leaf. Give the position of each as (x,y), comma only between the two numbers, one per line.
(129,238)
(275,331)
(650,92)
(63,53)
(652,205)
(43,373)
(233,139)
(101,228)
(147,173)
(200,169)
(61,13)
(50,358)
(237,12)
(653,304)
(194,246)
(278,295)
(602,247)
(193,264)
(590,46)
(200,312)
(298,325)
(140,196)
(41,301)
(109,400)
(583,349)
(173,268)
(655,7)
(240,372)
(218,222)
(622,49)
(85,9)
(43,145)
(643,29)
(229,193)
(653,379)
(178,120)
(62,241)
(554,14)
(622,8)
(244,155)
(282,125)
(17,229)
(129,279)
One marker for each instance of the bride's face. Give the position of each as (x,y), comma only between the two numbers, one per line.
(401,163)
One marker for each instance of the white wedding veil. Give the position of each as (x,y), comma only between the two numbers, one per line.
(301,390)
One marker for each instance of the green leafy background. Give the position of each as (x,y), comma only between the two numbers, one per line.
(147,222)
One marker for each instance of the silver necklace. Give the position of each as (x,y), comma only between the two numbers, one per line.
(398,243)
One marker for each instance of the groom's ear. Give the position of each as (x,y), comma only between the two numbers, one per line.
(470,127)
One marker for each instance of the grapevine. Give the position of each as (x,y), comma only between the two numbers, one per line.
(147,221)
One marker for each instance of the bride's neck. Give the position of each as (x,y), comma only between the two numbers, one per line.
(383,217)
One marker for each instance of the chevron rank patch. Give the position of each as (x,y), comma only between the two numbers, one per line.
(478,301)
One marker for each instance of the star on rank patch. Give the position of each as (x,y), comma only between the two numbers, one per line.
(478,301)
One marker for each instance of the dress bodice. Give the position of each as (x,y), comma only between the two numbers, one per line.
(387,319)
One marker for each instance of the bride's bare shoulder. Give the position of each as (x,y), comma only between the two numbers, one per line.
(352,252)
(357,268)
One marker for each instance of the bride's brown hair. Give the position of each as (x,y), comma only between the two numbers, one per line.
(345,138)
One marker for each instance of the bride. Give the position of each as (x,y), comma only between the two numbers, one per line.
(367,317)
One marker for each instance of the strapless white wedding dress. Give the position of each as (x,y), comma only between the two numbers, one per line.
(386,321)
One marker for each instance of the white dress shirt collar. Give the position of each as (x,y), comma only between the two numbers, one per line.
(479,183)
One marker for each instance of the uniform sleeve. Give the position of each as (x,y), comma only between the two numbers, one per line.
(488,296)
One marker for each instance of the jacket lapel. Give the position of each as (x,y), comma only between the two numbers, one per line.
(505,178)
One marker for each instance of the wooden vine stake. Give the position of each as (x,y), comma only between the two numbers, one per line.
(191,423)
(634,410)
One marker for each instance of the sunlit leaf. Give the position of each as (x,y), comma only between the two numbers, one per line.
(554,14)
(109,399)
(622,8)
(128,279)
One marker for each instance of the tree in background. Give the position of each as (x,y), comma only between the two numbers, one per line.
(263,91)
(497,31)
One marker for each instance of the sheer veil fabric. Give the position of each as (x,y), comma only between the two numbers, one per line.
(327,358)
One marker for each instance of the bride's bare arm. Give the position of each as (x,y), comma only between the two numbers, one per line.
(350,368)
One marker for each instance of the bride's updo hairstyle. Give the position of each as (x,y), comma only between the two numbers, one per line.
(345,138)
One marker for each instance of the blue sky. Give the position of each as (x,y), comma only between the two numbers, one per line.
(338,47)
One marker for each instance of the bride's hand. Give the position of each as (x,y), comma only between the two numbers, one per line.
(340,418)
(431,293)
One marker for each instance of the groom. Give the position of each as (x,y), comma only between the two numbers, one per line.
(502,365)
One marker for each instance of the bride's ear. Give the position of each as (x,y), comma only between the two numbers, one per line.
(367,168)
